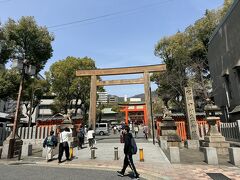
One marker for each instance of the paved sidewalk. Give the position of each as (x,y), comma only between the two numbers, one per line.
(155,166)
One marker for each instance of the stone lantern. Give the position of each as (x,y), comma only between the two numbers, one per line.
(67,122)
(210,110)
(214,137)
(169,129)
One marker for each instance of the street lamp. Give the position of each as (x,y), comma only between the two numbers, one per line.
(15,143)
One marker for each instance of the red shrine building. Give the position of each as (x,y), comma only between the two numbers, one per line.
(134,112)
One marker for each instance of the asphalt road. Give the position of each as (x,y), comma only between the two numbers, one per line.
(115,138)
(33,172)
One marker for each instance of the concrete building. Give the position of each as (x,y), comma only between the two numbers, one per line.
(109,116)
(224,63)
(43,111)
(112,99)
(102,97)
(44,108)
(135,99)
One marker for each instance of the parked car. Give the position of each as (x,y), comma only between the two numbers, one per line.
(102,129)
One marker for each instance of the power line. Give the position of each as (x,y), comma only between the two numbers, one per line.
(108,15)
(89,22)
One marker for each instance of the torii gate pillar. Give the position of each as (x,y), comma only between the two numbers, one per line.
(146,78)
(93,102)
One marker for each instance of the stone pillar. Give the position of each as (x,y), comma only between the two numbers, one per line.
(210,155)
(174,154)
(12,146)
(93,102)
(163,144)
(26,149)
(191,115)
(234,155)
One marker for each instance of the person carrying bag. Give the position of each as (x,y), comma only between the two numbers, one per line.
(50,143)
(64,146)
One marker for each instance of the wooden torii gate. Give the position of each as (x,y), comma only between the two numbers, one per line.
(120,71)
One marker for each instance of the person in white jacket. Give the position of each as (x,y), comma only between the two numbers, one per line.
(64,146)
(90,137)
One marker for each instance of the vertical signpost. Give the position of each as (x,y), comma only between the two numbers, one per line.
(191,115)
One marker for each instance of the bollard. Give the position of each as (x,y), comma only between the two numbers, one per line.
(0,153)
(93,153)
(141,156)
(71,152)
(116,153)
(19,154)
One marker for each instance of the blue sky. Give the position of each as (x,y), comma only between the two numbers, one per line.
(125,38)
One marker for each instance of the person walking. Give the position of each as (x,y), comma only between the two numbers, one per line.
(136,129)
(50,143)
(64,146)
(128,160)
(90,137)
(80,136)
(145,131)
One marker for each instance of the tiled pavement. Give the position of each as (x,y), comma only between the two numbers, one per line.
(156,165)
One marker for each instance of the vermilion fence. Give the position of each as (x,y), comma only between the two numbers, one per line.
(181,130)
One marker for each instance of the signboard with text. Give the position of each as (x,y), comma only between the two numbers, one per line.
(191,115)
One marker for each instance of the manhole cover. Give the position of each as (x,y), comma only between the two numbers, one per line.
(218,176)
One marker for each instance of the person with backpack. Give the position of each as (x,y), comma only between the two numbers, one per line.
(130,148)
(50,143)
(80,136)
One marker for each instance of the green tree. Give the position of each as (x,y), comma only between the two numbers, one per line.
(157,106)
(67,87)
(9,83)
(25,39)
(185,55)
(227,4)
(174,52)
(33,94)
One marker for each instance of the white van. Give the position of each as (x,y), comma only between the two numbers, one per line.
(101,129)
